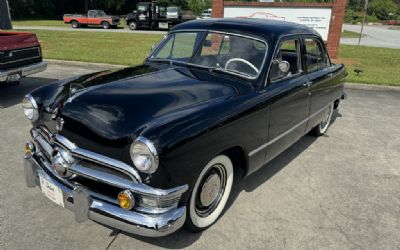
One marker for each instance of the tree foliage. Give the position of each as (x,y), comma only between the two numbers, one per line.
(382,9)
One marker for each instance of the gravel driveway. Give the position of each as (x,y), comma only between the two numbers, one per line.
(340,191)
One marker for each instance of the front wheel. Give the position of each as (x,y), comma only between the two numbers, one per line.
(210,193)
(132,25)
(322,127)
(74,24)
(105,25)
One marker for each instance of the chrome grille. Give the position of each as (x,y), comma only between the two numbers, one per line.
(97,163)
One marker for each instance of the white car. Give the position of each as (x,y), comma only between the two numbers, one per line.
(172,12)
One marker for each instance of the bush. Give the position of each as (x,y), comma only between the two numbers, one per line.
(382,9)
(357,17)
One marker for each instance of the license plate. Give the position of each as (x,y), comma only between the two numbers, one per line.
(15,77)
(51,191)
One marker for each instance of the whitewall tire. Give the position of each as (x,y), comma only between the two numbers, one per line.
(323,126)
(210,193)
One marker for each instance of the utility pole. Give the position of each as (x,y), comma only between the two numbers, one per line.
(5,17)
(363,22)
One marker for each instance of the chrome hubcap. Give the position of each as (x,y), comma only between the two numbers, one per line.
(211,190)
(325,123)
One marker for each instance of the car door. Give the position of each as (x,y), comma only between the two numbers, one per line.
(320,74)
(291,102)
(92,17)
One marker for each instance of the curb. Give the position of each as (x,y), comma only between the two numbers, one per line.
(372,87)
(84,64)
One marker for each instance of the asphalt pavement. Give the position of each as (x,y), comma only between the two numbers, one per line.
(339,191)
(374,35)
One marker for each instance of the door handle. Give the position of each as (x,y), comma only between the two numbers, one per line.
(330,75)
(307,84)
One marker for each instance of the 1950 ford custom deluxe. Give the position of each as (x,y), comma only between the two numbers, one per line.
(150,148)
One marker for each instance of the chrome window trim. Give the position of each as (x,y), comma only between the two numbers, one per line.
(278,42)
(270,142)
(324,50)
(218,32)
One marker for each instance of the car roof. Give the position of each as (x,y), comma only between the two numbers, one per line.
(258,26)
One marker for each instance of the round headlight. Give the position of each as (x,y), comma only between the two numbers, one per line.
(144,155)
(30,108)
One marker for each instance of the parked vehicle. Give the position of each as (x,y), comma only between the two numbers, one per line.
(151,15)
(150,148)
(20,56)
(206,14)
(173,12)
(92,18)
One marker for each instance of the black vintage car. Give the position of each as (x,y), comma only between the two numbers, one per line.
(150,148)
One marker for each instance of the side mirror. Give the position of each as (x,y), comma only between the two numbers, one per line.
(284,66)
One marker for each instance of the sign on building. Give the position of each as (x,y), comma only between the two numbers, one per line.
(316,18)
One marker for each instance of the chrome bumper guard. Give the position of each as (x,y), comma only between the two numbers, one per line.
(23,71)
(85,205)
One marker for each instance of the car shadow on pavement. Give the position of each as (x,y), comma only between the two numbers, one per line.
(183,238)
(12,93)
(254,180)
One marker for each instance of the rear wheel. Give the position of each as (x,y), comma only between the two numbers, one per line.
(132,25)
(210,193)
(322,127)
(105,25)
(74,24)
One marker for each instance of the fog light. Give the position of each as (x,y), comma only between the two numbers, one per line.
(29,149)
(126,200)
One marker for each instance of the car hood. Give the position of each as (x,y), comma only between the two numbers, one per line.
(118,104)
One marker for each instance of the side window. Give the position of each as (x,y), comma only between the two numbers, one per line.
(287,60)
(316,58)
(91,14)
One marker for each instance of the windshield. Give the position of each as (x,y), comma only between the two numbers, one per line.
(101,13)
(234,54)
(172,9)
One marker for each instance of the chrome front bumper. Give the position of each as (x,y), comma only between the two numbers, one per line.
(23,70)
(85,206)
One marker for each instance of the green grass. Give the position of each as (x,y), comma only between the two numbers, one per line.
(47,23)
(379,65)
(350,34)
(101,47)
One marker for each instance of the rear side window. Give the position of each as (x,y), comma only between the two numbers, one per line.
(287,60)
(316,57)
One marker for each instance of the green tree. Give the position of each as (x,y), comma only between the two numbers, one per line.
(382,8)
(197,6)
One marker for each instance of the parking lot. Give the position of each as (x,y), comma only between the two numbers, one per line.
(339,191)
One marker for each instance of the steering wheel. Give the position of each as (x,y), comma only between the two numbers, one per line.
(242,61)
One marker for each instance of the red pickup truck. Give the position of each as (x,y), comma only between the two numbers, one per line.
(20,56)
(93,17)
